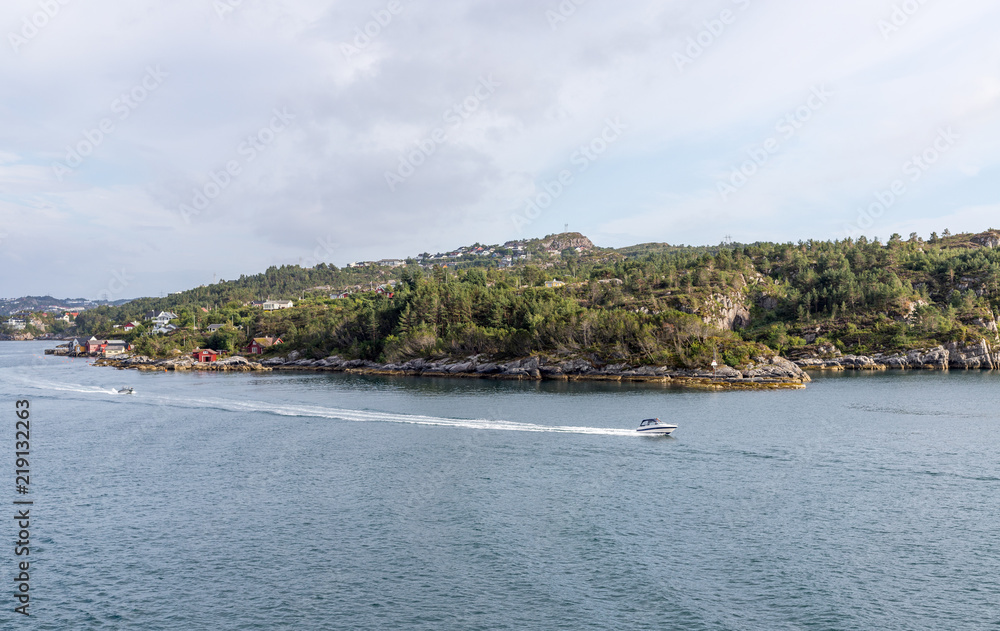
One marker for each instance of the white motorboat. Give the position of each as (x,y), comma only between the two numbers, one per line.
(127,391)
(655,427)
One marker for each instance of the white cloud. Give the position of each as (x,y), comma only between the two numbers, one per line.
(356,114)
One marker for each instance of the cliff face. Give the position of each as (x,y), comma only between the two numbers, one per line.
(731,311)
(726,313)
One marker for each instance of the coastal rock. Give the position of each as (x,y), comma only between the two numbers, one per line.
(776,369)
(728,372)
(972,357)
(576,367)
(953,356)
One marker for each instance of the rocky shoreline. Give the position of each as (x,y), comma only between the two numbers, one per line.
(979,356)
(765,374)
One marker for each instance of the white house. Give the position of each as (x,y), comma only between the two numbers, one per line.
(160,318)
(17,324)
(274,305)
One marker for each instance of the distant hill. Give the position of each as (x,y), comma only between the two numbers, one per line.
(34,304)
(561,296)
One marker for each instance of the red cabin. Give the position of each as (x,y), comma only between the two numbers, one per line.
(202,355)
(260,344)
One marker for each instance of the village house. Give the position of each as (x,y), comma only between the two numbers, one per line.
(17,324)
(212,328)
(342,295)
(130,325)
(95,346)
(260,344)
(205,355)
(391,263)
(553,284)
(78,344)
(114,348)
(160,318)
(163,329)
(275,305)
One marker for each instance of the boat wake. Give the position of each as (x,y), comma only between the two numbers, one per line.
(355,416)
(370,416)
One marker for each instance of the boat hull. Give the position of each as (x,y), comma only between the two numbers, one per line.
(656,430)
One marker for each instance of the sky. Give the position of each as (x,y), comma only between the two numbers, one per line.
(149,147)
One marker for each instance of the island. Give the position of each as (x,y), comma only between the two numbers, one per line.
(730,316)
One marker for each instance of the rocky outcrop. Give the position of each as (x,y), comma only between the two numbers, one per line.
(952,356)
(765,372)
(140,362)
(987,239)
(567,240)
(725,313)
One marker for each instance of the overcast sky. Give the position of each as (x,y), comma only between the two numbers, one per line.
(149,146)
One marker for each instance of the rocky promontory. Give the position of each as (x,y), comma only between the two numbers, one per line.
(764,373)
(140,362)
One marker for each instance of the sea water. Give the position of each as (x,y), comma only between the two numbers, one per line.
(325,501)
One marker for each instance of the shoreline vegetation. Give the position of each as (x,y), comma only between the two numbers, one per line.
(728,316)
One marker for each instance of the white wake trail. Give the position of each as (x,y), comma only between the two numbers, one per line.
(355,416)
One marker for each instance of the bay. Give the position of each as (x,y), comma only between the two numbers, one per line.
(326,501)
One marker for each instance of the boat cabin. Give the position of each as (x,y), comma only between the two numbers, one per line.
(649,421)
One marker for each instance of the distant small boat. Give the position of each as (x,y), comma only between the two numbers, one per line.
(127,391)
(655,427)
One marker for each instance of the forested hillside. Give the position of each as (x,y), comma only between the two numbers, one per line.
(650,304)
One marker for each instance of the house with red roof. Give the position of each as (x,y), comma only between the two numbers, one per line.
(205,355)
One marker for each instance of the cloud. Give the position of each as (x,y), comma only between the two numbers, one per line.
(371,83)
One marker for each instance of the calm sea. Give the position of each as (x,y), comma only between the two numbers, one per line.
(323,501)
